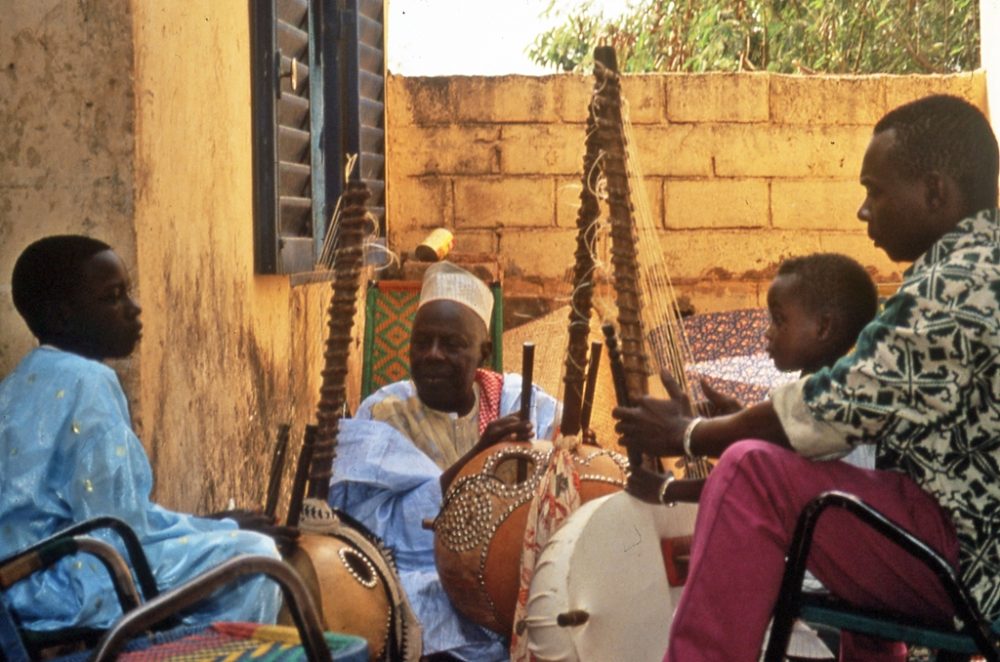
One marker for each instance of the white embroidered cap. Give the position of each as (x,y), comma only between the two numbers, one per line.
(445,280)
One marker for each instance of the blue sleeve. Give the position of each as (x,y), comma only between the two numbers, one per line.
(545,410)
(91,463)
(390,486)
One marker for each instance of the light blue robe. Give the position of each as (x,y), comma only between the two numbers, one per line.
(68,453)
(383,480)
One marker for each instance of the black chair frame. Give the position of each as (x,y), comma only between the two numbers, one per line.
(790,600)
(15,570)
(160,610)
(300,603)
(136,555)
(73,540)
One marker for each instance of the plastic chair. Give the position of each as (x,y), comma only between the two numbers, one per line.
(972,633)
(134,630)
(390,306)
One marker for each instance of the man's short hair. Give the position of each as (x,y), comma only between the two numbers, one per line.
(947,134)
(838,285)
(48,271)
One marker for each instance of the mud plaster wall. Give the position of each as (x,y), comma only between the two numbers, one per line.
(741,170)
(66,138)
(229,355)
(131,122)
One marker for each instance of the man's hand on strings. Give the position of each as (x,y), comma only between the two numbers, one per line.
(655,426)
(676,393)
(285,537)
(645,484)
(507,428)
(719,404)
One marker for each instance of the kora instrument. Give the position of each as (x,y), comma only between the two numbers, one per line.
(351,575)
(480,530)
(600,590)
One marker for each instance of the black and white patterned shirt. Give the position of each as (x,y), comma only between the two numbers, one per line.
(924,384)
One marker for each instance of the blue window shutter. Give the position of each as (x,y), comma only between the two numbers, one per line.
(365,89)
(283,123)
(317,92)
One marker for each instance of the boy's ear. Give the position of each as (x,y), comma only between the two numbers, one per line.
(825,326)
(485,351)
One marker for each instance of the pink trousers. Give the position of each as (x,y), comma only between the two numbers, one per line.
(746,518)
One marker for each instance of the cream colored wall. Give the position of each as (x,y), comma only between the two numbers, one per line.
(227,355)
(66,138)
(742,170)
(130,121)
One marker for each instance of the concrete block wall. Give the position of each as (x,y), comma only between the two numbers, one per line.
(741,171)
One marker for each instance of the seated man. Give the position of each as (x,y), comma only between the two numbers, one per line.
(409,439)
(921,384)
(69,452)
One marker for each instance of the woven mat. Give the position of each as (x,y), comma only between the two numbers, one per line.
(393,312)
(550,334)
(231,642)
(247,641)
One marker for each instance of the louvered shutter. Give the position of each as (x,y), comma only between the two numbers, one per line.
(366,93)
(317,90)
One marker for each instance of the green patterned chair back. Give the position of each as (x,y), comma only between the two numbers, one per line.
(390,307)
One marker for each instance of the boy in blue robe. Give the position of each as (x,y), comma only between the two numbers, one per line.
(70,454)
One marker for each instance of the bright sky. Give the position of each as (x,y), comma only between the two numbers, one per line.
(471,37)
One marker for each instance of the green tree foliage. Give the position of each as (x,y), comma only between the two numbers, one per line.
(789,36)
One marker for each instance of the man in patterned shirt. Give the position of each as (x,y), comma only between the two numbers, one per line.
(923,383)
